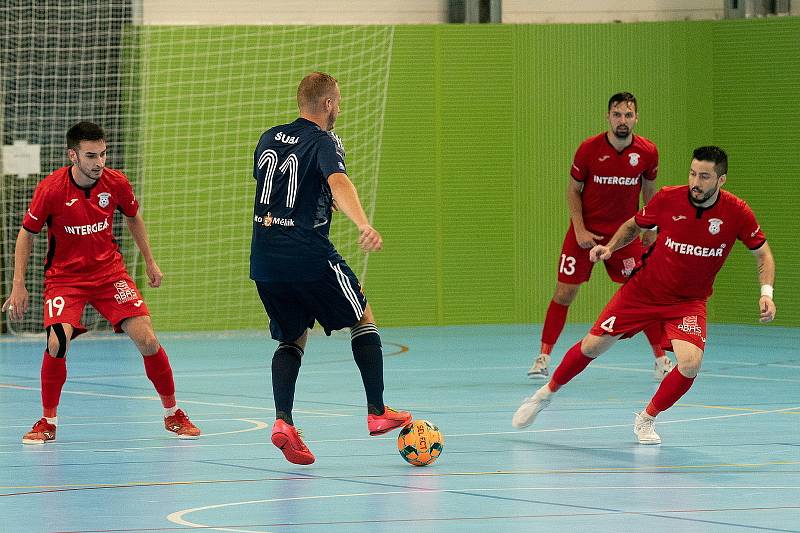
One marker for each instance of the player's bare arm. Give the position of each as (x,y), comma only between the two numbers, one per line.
(346,198)
(623,237)
(585,238)
(649,189)
(139,232)
(765,263)
(16,305)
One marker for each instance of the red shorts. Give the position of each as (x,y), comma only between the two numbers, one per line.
(629,311)
(115,300)
(575,267)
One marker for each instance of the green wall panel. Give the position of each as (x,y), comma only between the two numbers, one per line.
(479,129)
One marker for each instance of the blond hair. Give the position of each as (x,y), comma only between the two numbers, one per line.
(313,89)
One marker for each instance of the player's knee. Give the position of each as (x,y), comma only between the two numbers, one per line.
(689,362)
(57,341)
(290,349)
(565,294)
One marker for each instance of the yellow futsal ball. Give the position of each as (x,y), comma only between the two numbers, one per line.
(420,443)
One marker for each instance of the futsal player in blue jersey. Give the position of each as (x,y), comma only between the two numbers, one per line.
(300,175)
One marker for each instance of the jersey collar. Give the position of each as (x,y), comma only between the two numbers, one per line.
(619,152)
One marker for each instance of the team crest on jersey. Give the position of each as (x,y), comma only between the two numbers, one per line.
(633,159)
(714,225)
(104,199)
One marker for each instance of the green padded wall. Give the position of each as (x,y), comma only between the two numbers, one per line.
(480,127)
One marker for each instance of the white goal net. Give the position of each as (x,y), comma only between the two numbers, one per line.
(183,107)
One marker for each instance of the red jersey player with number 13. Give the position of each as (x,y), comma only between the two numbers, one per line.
(699,224)
(84,265)
(609,172)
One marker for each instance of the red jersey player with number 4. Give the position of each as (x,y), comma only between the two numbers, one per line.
(84,265)
(698,224)
(609,172)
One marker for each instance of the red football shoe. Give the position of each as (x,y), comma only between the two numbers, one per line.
(42,432)
(179,423)
(288,439)
(389,420)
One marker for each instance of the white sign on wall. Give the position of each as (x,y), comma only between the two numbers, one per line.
(22,159)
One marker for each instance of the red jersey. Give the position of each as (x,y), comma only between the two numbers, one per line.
(692,243)
(81,244)
(612,181)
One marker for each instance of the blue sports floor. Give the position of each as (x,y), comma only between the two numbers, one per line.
(730,458)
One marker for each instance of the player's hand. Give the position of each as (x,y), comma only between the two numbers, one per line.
(17,304)
(154,275)
(370,240)
(767,307)
(648,238)
(599,253)
(586,239)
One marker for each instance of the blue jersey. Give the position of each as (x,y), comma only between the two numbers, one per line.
(293,202)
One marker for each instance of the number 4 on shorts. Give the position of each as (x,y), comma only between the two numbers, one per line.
(608,324)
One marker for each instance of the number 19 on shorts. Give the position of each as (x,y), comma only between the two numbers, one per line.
(57,303)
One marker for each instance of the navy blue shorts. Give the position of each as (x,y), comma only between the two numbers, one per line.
(336,301)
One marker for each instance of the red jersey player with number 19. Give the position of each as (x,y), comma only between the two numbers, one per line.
(699,224)
(84,265)
(609,172)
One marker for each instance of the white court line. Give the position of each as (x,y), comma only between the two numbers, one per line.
(177,517)
(43,449)
(190,402)
(702,374)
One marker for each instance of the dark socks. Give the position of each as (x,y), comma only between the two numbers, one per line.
(367,353)
(285,368)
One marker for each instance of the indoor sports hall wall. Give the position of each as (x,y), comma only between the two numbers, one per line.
(474,143)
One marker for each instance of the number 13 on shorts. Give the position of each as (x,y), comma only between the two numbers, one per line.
(55,304)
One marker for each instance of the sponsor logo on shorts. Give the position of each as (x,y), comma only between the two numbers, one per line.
(691,327)
(628,264)
(124,292)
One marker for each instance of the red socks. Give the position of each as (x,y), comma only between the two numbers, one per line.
(157,368)
(54,375)
(571,365)
(554,322)
(670,391)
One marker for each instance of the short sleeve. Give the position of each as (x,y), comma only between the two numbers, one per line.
(647,217)
(651,171)
(126,199)
(331,156)
(750,231)
(580,163)
(38,211)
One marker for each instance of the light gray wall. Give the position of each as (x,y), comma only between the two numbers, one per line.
(294,12)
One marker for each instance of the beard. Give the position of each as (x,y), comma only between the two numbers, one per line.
(621,132)
(704,198)
(331,121)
